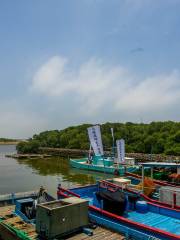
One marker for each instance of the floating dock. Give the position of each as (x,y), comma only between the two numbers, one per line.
(29,232)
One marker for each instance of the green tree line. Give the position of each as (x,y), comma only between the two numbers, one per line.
(8,140)
(155,137)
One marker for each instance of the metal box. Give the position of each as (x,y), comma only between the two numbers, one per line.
(170,195)
(61,217)
(122,182)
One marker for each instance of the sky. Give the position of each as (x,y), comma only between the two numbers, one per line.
(66,63)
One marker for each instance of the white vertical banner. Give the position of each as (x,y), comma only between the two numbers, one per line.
(94,134)
(121,150)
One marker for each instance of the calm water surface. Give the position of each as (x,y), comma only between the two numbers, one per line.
(25,175)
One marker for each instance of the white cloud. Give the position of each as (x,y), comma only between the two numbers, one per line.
(153,93)
(95,85)
(51,78)
(91,84)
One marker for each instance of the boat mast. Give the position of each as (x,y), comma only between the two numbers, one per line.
(113,147)
(90,150)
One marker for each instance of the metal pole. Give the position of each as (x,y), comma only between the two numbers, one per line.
(152,172)
(104,167)
(142,178)
(113,147)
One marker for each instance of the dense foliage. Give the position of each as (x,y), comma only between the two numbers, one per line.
(155,137)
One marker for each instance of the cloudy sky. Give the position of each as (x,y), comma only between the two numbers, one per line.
(65,63)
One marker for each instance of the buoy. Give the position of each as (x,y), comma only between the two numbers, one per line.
(141,206)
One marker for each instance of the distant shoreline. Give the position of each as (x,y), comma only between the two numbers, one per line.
(9,143)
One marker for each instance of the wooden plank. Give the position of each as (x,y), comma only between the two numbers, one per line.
(6,211)
(16,222)
(13,220)
(98,234)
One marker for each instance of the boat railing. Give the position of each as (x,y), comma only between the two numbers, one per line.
(64,192)
(158,182)
(14,196)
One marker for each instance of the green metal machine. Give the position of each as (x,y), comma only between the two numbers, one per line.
(61,217)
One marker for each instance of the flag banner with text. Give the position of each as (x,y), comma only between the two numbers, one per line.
(95,139)
(121,150)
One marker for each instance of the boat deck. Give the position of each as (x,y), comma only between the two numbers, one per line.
(16,222)
(160,221)
(6,211)
(9,220)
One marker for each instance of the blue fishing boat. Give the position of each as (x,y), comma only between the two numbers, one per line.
(17,214)
(132,189)
(25,203)
(127,213)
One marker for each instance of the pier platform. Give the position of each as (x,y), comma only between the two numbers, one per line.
(98,234)
(9,220)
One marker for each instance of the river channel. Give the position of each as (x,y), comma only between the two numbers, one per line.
(29,174)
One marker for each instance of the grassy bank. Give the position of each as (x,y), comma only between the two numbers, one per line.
(10,143)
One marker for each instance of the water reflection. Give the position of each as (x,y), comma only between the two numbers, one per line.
(29,174)
(60,166)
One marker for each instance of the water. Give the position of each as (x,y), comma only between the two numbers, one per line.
(29,174)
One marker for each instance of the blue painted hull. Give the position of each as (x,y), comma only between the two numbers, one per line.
(159,222)
(118,227)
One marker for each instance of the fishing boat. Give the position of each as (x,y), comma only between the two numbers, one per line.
(151,190)
(137,177)
(17,214)
(98,162)
(136,189)
(104,165)
(127,213)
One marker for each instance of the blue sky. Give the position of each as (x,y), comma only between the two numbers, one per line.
(65,62)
